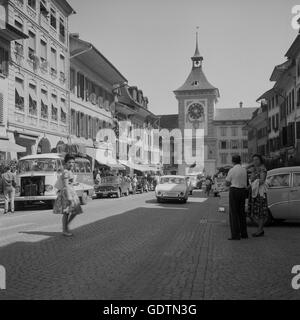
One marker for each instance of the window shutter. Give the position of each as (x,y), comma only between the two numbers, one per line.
(1,109)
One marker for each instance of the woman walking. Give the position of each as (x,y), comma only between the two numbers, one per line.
(258,204)
(67,202)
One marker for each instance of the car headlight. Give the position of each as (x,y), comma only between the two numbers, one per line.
(181,194)
(49,188)
(159,193)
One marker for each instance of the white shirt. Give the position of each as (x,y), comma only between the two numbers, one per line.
(237,176)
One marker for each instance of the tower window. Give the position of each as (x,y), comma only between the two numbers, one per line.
(195,83)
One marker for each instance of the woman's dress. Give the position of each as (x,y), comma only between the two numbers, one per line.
(258,205)
(67,201)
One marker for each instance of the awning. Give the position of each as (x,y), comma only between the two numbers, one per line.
(138,167)
(112,163)
(10,33)
(9,146)
(116,166)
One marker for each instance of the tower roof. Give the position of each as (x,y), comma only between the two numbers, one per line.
(197,79)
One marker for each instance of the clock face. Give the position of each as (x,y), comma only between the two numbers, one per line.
(196,112)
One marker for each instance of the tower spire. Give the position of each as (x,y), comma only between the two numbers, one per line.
(197,58)
(197,53)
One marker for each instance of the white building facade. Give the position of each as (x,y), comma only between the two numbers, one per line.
(38,92)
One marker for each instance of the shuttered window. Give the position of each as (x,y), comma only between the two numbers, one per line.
(4,59)
(1,109)
(44,105)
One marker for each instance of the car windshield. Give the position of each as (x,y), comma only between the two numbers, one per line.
(171,180)
(110,179)
(36,165)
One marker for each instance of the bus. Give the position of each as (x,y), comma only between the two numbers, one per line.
(37,177)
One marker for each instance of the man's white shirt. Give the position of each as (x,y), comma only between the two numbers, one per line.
(237,176)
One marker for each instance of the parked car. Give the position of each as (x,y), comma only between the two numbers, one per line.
(284,193)
(172,188)
(112,186)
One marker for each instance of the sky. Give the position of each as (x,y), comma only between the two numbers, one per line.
(151,41)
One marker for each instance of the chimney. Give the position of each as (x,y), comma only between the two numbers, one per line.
(241,104)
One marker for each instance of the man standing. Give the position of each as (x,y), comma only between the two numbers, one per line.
(237,180)
(8,186)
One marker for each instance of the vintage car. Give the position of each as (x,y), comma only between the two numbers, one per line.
(172,188)
(38,175)
(112,186)
(284,193)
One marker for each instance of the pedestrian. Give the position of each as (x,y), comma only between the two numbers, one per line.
(67,202)
(258,203)
(8,182)
(134,184)
(208,185)
(237,181)
(97,177)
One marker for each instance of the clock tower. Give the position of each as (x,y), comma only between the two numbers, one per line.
(197,100)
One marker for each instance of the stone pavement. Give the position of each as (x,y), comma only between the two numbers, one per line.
(165,251)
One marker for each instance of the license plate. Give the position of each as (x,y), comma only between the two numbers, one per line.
(171,194)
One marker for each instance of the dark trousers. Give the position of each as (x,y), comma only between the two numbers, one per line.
(237,214)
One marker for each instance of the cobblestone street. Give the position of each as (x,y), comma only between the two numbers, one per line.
(149,251)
